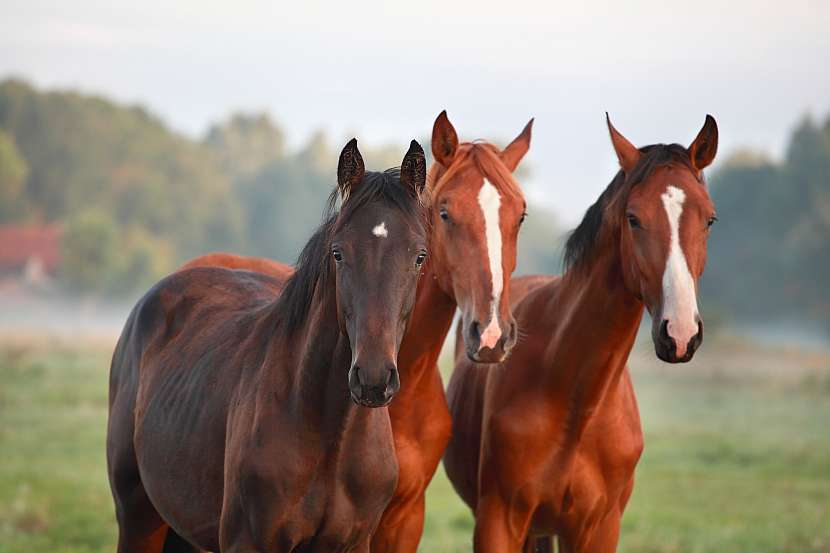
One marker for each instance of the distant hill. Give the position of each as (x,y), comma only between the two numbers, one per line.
(134,198)
(132,195)
(769,255)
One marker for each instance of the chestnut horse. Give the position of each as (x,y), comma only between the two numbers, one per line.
(477,208)
(230,423)
(546,443)
(476,211)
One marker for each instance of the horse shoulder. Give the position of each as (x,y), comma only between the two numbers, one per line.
(613,441)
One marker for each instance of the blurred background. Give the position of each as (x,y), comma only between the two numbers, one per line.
(136,136)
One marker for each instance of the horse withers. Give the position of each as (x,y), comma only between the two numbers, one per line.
(241,409)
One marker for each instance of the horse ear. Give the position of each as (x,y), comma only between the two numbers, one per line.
(704,147)
(350,169)
(414,168)
(444,140)
(627,153)
(516,150)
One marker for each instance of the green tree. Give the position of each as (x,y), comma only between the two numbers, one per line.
(13,174)
(245,144)
(87,152)
(773,238)
(90,251)
(142,260)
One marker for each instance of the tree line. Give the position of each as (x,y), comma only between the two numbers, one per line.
(135,199)
(769,255)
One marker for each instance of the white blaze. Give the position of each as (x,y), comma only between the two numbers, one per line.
(380,230)
(679,298)
(489,200)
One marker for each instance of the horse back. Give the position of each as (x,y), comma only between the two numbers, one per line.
(279,271)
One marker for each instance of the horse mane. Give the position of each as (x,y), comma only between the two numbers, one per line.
(486,159)
(314,268)
(582,241)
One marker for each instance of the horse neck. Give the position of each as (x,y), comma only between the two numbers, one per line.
(309,367)
(428,327)
(594,321)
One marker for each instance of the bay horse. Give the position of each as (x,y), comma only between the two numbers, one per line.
(241,410)
(476,210)
(546,443)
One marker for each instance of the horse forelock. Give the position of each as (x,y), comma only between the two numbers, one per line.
(485,158)
(314,266)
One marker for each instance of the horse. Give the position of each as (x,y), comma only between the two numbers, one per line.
(476,209)
(250,415)
(545,444)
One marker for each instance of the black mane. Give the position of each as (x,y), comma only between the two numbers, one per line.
(313,268)
(582,240)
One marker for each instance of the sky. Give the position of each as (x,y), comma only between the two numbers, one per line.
(383,70)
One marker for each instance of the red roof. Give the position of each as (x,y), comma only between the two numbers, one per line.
(19,244)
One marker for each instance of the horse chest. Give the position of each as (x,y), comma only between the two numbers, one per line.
(607,456)
(315,491)
(600,474)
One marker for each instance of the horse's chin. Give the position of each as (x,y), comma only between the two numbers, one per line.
(370,403)
(668,355)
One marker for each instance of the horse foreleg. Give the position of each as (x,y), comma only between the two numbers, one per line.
(539,544)
(500,528)
(606,536)
(600,538)
(401,527)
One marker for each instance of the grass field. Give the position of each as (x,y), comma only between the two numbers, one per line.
(737,455)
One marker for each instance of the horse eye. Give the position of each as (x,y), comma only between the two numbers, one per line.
(337,256)
(711,221)
(523,217)
(443,213)
(420,259)
(633,221)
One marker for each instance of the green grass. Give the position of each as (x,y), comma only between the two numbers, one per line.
(737,457)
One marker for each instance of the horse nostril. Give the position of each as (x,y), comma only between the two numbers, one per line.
(355,384)
(697,339)
(393,383)
(475,330)
(664,331)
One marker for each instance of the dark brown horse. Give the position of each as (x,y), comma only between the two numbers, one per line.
(476,211)
(546,443)
(231,427)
